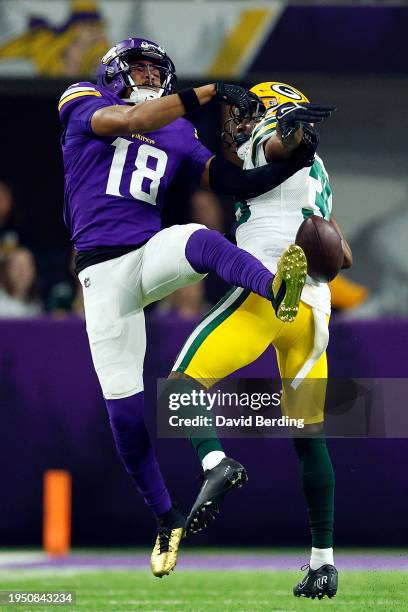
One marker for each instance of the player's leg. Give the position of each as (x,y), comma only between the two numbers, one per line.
(178,255)
(181,255)
(232,335)
(298,348)
(116,331)
(208,251)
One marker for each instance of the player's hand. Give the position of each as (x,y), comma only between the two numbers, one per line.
(234,95)
(291,115)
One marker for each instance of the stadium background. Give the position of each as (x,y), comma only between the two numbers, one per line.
(53,416)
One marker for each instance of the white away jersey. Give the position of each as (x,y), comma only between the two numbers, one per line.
(269,223)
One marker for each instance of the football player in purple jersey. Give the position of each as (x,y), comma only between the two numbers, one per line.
(123,141)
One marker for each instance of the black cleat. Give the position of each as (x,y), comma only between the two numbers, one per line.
(225,476)
(318,583)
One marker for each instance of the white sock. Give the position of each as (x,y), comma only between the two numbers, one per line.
(321,556)
(212,459)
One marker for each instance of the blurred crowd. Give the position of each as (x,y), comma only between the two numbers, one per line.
(25,290)
(21,294)
(18,273)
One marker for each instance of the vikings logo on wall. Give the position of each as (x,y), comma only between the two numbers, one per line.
(68,37)
(73,48)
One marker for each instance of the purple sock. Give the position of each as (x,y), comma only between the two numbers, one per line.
(135,449)
(208,251)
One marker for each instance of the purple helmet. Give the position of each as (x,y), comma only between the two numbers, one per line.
(114,73)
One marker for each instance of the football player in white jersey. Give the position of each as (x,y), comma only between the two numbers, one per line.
(241,327)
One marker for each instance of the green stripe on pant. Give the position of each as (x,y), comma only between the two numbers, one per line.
(221,311)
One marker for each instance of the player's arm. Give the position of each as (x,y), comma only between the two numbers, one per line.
(155,114)
(148,116)
(226,178)
(348,255)
(275,148)
(290,121)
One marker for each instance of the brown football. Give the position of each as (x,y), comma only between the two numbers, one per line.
(322,246)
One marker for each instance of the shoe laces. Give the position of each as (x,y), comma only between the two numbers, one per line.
(164,539)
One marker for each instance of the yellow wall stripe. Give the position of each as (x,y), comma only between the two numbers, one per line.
(239,41)
(79,95)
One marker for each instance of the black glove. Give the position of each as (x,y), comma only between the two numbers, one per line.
(291,115)
(305,152)
(234,95)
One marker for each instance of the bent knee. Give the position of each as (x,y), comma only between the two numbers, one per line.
(121,384)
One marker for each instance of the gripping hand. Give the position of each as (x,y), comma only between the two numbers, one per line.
(291,115)
(234,95)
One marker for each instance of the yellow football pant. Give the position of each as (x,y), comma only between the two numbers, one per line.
(239,329)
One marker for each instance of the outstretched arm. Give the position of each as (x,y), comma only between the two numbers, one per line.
(291,119)
(148,116)
(226,178)
(154,114)
(277,149)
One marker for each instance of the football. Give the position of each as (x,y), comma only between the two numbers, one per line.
(322,246)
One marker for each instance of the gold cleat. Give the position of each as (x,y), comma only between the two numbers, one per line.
(292,268)
(164,555)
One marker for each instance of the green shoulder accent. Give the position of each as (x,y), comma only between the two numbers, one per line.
(262,125)
(307,212)
(263,131)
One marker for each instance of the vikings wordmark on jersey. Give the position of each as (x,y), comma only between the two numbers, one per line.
(115,186)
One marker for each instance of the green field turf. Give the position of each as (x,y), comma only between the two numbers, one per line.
(205,591)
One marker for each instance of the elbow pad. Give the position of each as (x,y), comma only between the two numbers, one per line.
(226,178)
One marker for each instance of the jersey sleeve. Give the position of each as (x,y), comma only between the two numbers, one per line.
(77,105)
(197,155)
(262,132)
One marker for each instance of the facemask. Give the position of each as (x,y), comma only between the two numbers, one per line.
(142,94)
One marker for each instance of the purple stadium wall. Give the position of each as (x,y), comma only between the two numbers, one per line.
(53,416)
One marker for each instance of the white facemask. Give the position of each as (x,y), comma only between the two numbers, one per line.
(142,94)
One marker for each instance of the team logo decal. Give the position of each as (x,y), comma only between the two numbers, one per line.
(286,90)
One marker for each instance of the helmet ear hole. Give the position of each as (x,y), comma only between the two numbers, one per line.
(273,101)
(110,72)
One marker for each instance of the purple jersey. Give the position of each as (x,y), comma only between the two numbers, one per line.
(115,186)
